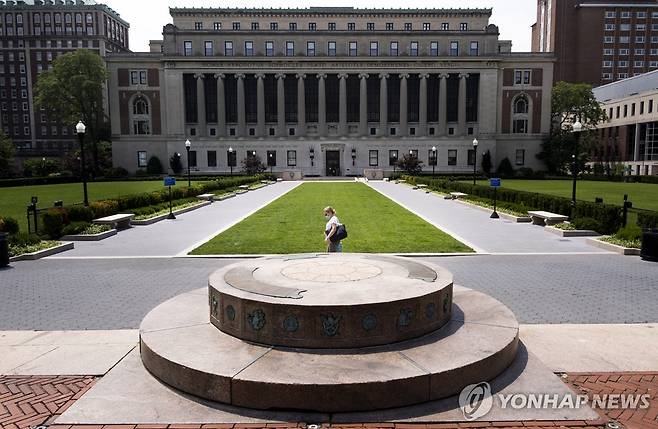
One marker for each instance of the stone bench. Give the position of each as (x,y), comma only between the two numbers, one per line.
(244,187)
(546,218)
(455,195)
(207,197)
(117,221)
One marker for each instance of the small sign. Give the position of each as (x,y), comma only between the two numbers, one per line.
(169,181)
(494,182)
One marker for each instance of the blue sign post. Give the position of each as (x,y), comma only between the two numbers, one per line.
(494,183)
(170,181)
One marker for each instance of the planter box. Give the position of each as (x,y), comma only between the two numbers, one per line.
(572,232)
(517,219)
(225,197)
(42,253)
(628,251)
(155,219)
(241,191)
(90,237)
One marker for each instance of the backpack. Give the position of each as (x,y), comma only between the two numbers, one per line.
(341,234)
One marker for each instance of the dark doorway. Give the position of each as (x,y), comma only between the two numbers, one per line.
(333,162)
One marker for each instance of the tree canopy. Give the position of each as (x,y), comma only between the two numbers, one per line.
(6,155)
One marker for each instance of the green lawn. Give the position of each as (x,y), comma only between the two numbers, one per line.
(643,195)
(13,201)
(294,224)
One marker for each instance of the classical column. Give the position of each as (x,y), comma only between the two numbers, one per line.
(422,110)
(383,104)
(363,105)
(242,122)
(636,142)
(260,105)
(201,104)
(404,126)
(462,104)
(443,103)
(221,106)
(322,106)
(301,105)
(280,105)
(342,104)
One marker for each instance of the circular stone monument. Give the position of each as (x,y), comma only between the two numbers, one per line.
(328,333)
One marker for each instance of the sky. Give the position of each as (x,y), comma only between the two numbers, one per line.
(147,17)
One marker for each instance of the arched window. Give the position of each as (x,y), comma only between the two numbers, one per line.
(521,114)
(141,118)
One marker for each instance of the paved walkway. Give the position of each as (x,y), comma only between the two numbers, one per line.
(475,228)
(189,230)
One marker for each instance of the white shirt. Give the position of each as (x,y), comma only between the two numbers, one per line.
(333,220)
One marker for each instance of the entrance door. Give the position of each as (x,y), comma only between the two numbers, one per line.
(333,162)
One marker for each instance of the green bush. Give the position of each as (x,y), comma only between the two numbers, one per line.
(23,239)
(116,173)
(154,166)
(586,223)
(505,168)
(141,173)
(629,232)
(75,228)
(647,220)
(40,167)
(80,214)
(54,221)
(9,225)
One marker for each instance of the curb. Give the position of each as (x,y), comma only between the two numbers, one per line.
(572,232)
(626,251)
(43,253)
(155,219)
(90,237)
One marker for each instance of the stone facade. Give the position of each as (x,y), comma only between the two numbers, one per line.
(329,91)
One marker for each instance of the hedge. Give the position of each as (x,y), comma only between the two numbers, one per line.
(608,216)
(647,219)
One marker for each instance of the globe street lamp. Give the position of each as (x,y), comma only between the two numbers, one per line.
(230,159)
(577,129)
(270,161)
(188,144)
(433,159)
(475,158)
(80,129)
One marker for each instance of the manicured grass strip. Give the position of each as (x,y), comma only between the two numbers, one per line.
(643,195)
(294,224)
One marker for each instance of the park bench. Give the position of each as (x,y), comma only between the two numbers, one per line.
(207,197)
(455,195)
(244,187)
(117,221)
(546,218)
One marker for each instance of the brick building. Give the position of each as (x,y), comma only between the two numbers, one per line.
(329,91)
(596,41)
(32,34)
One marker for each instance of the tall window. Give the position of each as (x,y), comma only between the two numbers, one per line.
(454,49)
(138,77)
(351,26)
(331,26)
(520,157)
(445,26)
(274,25)
(236,25)
(141,159)
(426,26)
(208,50)
(434,49)
(474,49)
(269,49)
(212,158)
(310,49)
(292,26)
(292,158)
(141,118)
(370,26)
(452,157)
(413,49)
(249,48)
(255,26)
(374,49)
(392,157)
(373,158)
(187,48)
(331,49)
(198,25)
(216,26)
(228,48)
(463,26)
(520,109)
(353,50)
(394,49)
(522,77)
(312,26)
(290,49)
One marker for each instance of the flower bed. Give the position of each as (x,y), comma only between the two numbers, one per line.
(630,244)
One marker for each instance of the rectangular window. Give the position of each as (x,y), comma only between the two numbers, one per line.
(310,49)
(463,26)
(208,50)
(141,158)
(408,26)
(413,49)
(192,159)
(374,49)
(331,26)
(426,26)
(373,158)
(641,15)
(520,126)
(622,63)
(607,64)
(608,39)
(255,26)
(625,27)
(454,49)
(624,51)
(216,26)
(249,48)
(639,64)
(639,52)
(290,49)
(312,26)
(292,26)
(212,158)
(236,25)
(331,49)
(639,39)
(292,158)
(624,39)
(640,27)
(434,49)
(445,26)
(474,49)
(274,25)
(625,15)
(187,48)
(198,25)
(370,26)
(470,157)
(134,77)
(392,157)
(452,157)
(389,26)
(520,157)
(351,26)
(394,49)
(142,77)
(608,52)
(228,48)
(609,27)
(352,49)
(269,49)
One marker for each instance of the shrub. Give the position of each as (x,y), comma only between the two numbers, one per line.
(154,166)
(410,164)
(505,168)
(629,232)
(253,165)
(80,214)
(116,173)
(23,239)
(526,173)
(40,167)
(486,163)
(75,228)
(648,220)
(54,220)
(586,223)
(141,173)
(104,208)
(175,163)
(9,225)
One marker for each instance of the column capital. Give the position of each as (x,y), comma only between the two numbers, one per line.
(383,75)
(342,75)
(280,75)
(463,75)
(219,75)
(444,75)
(363,75)
(300,75)
(239,75)
(321,75)
(424,75)
(404,75)
(260,75)
(199,76)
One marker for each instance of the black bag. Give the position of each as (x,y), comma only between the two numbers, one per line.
(340,234)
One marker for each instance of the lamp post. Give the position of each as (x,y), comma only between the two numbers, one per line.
(577,129)
(80,129)
(188,144)
(230,159)
(353,156)
(395,161)
(311,154)
(475,159)
(433,159)
(270,157)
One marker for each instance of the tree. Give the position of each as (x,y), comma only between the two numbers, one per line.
(175,163)
(486,162)
(570,102)
(43,167)
(73,91)
(154,166)
(505,168)
(253,165)
(410,164)
(6,156)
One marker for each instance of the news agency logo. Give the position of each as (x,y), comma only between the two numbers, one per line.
(475,400)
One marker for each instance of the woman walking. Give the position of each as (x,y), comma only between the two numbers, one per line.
(331,230)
